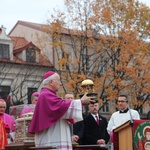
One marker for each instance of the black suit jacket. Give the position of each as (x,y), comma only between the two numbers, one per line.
(78,129)
(93,131)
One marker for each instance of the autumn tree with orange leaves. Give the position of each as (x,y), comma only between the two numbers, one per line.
(106,41)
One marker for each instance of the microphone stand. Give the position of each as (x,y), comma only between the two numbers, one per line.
(131,123)
(131,119)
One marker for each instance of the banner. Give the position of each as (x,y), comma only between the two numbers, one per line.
(141,130)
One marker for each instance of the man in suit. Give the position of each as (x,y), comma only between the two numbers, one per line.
(95,127)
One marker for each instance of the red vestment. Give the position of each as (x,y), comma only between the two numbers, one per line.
(3,138)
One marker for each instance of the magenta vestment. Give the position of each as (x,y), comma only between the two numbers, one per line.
(27,109)
(9,122)
(49,109)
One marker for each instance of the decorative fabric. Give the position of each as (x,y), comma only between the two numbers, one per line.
(141,133)
(3,138)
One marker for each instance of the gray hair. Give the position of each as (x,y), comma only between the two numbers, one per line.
(33,97)
(52,77)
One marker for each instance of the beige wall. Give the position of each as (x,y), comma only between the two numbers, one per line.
(32,35)
(20,78)
(37,37)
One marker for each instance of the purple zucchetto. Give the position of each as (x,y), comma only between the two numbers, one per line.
(2,100)
(35,94)
(47,74)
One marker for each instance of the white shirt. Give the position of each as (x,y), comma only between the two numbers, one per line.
(118,119)
(94,116)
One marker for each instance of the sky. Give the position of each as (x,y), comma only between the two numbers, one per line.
(36,11)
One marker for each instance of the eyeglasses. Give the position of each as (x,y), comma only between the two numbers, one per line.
(121,101)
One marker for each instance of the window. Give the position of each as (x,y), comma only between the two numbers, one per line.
(141,110)
(85,61)
(30,55)
(4,51)
(4,92)
(103,64)
(106,106)
(148,115)
(65,60)
(30,91)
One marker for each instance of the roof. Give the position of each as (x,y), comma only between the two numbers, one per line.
(67,31)
(21,62)
(20,44)
(36,26)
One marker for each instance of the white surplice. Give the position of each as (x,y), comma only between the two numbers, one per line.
(117,119)
(59,134)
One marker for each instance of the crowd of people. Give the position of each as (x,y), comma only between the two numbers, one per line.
(60,122)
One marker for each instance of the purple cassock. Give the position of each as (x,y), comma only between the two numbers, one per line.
(49,109)
(9,122)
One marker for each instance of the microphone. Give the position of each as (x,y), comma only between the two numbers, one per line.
(131,118)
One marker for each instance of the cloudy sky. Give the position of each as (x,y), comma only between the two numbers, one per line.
(30,10)
(26,10)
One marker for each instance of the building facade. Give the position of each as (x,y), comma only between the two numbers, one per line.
(35,32)
(21,68)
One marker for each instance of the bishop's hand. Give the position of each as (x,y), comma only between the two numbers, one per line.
(86,100)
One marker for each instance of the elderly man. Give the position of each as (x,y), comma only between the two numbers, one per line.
(49,122)
(9,121)
(31,107)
